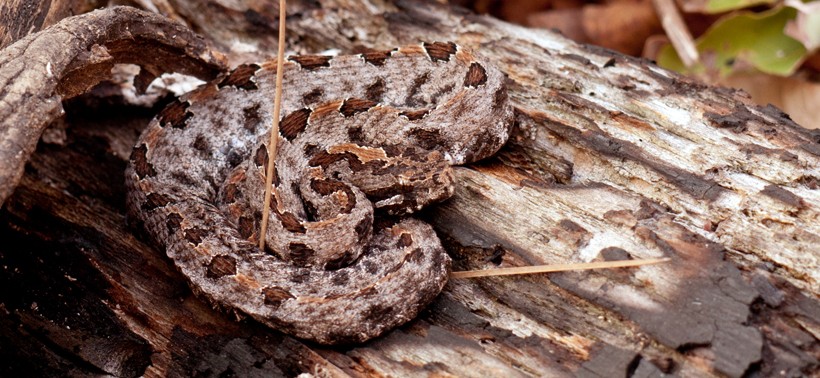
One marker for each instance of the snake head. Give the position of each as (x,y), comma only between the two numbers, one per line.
(419,179)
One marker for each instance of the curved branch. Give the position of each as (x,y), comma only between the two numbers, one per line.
(66,59)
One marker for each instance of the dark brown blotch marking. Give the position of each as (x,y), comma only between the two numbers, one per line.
(234,158)
(155,200)
(252,117)
(364,228)
(311,213)
(260,158)
(241,77)
(375,91)
(375,165)
(379,313)
(300,253)
(195,235)
(275,180)
(300,276)
(246,227)
(175,114)
(476,75)
(311,62)
(383,193)
(274,296)
(201,144)
(290,222)
(221,266)
(483,146)
(355,134)
(256,23)
(231,193)
(370,267)
(415,115)
(440,51)
(395,169)
(443,91)
(173,222)
(499,97)
(415,154)
(416,256)
(392,150)
(355,106)
(404,240)
(311,149)
(341,278)
(342,261)
(326,187)
(415,88)
(376,58)
(313,96)
(427,139)
(294,123)
(324,159)
(141,165)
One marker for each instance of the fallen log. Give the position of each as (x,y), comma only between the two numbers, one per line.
(613,158)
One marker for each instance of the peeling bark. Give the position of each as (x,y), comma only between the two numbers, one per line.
(19,18)
(614,158)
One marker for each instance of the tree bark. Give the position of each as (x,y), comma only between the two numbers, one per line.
(613,158)
(41,70)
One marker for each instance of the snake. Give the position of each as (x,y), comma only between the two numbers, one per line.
(364,142)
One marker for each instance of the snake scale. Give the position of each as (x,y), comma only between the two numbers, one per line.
(366,134)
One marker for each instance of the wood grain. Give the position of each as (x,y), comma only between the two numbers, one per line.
(614,157)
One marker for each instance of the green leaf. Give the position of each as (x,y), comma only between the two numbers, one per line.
(720,6)
(744,40)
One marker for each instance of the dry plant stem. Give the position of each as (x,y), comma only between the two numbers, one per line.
(555,268)
(274,134)
(676,31)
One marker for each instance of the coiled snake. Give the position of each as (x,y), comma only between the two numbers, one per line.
(371,132)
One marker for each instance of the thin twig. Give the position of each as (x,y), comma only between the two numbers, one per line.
(274,133)
(555,268)
(677,31)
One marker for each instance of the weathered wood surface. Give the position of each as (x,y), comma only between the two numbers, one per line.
(41,70)
(19,18)
(614,158)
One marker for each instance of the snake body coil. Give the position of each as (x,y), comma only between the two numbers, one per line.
(370,132)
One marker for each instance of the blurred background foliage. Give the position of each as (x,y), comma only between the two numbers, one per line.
(768,48)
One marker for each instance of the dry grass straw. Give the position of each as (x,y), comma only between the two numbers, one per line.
(274,133)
